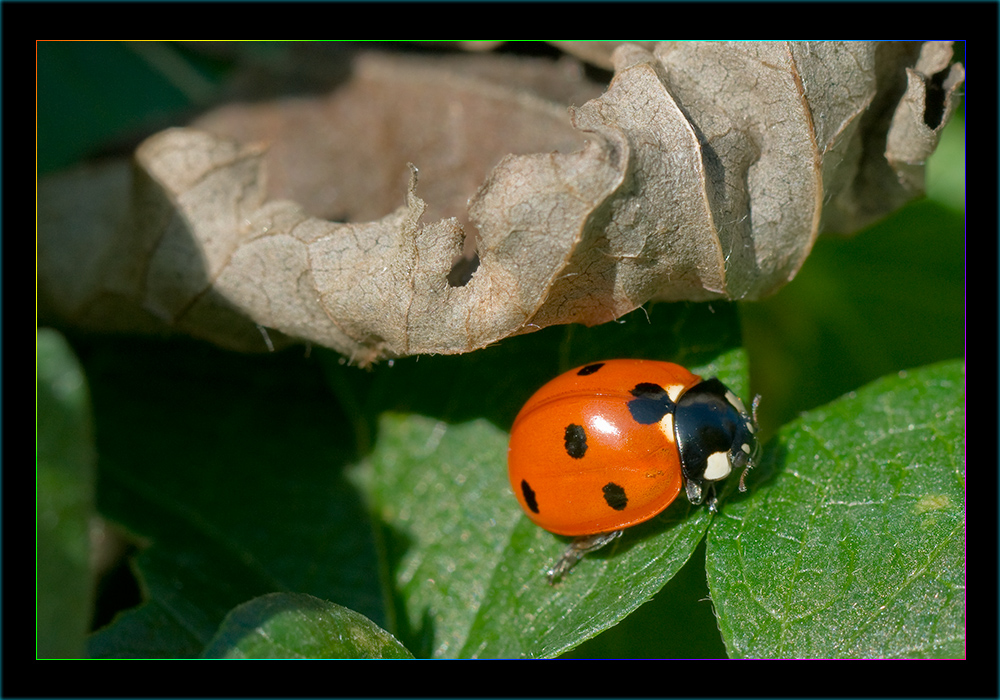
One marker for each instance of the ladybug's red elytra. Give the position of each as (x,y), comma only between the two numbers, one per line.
(611,444)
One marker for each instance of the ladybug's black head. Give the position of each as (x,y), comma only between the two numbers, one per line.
(715,435)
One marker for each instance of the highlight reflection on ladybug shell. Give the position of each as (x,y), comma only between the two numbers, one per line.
(595,449)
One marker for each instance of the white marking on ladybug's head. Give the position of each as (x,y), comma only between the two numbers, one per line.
(674,391)
(745,447)
(718,466)
(735,401)
(667,427)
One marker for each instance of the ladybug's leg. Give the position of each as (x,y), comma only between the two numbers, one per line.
(577,548)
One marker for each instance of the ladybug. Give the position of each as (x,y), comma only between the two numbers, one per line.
(611,444)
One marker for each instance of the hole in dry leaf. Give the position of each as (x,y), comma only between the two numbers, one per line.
(462,270)
(934,104)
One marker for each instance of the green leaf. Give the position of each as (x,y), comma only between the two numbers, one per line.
(299,626)
(434,489)
(852,542)
(64,492)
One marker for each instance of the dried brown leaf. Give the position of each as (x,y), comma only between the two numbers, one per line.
(705,170)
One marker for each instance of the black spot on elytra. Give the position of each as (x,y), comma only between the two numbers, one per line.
(650,404)
(576,440)
(615,496)
(589,369)
(529,496)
